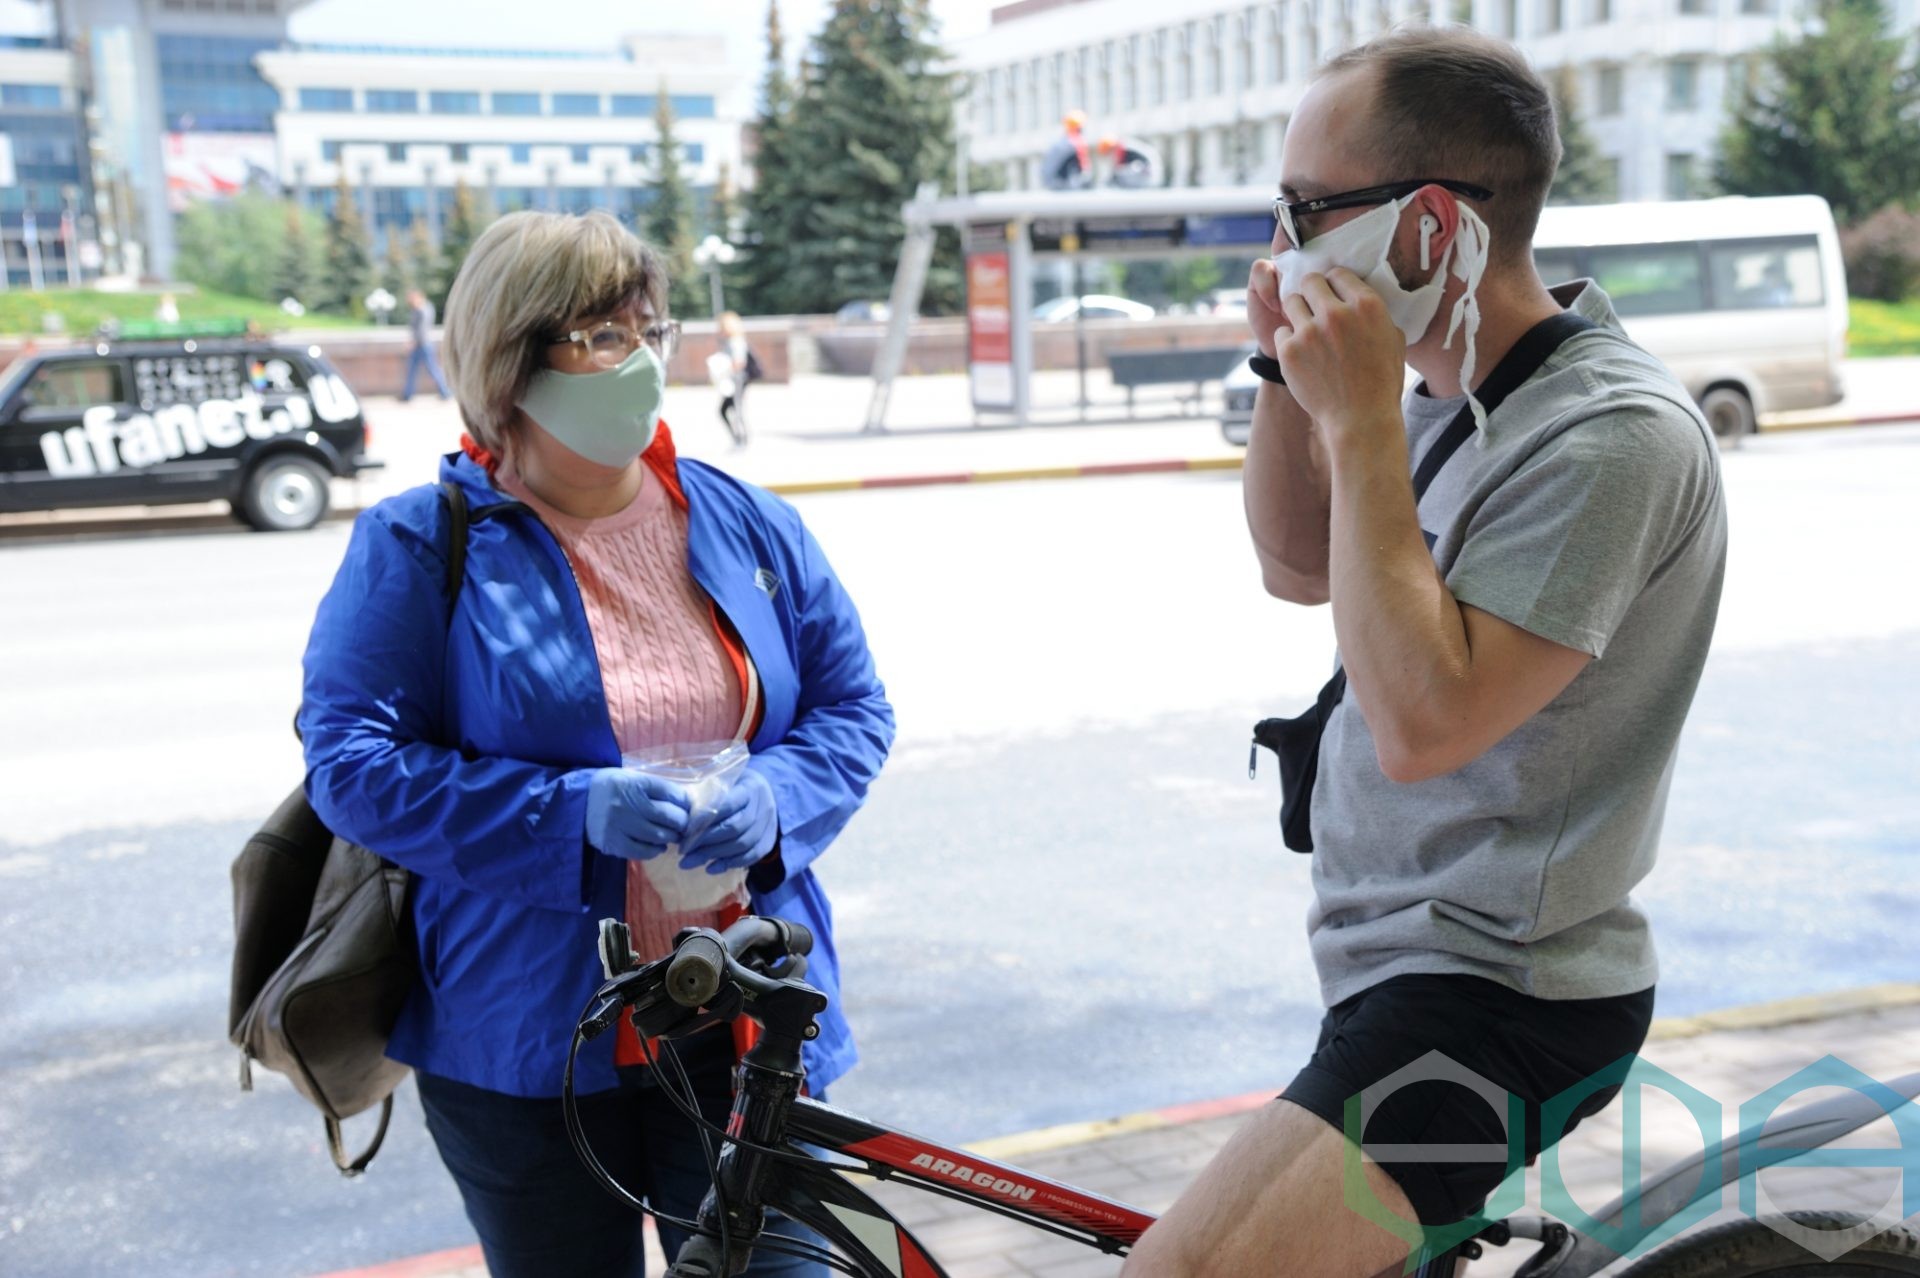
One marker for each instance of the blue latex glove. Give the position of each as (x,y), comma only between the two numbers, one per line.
(745,828)
(633,815)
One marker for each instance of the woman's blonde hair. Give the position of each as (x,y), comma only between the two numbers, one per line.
(527,278)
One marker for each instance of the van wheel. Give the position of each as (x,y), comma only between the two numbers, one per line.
(284,493)
(1730,413)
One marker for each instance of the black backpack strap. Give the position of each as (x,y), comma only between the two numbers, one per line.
(1520,363)
(456,540)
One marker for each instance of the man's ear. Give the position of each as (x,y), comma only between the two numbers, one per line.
(1436,221)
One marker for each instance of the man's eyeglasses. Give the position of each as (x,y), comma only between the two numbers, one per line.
(607,345)
(1289,213)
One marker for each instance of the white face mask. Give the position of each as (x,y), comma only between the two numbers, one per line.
(1362,246)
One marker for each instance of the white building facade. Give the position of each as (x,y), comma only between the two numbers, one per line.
(524,130)
(1212,84)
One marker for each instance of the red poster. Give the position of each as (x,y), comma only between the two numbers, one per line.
(990,329)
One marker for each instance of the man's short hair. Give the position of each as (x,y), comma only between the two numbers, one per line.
(1453,103)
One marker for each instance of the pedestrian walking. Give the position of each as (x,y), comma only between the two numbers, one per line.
(619,598)
(736,367)
(420,345)
(1524,557)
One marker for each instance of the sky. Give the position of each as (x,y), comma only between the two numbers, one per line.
(523,25)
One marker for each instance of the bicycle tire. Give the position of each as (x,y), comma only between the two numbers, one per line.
(1751,1249)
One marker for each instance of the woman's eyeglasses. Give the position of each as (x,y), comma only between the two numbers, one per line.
(607,345)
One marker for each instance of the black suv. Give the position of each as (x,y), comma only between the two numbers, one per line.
(262,424)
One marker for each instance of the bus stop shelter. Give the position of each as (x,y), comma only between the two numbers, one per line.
(1004,233)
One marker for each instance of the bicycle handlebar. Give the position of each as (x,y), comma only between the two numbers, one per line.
(701,959)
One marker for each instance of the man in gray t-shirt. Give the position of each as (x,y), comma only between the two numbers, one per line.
(1520,642)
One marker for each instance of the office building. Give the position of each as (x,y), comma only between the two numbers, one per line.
(1213,84)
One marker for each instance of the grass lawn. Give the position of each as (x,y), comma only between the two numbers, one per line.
(1884,328)
(84,309)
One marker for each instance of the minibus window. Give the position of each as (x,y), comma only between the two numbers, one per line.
(1765,274)
(1650,279)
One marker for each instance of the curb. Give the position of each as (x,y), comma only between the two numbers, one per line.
(1751,1016)
(1776,426)
(1103,470)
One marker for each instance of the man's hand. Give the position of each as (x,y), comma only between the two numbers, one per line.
(1264,312)
(1343,356)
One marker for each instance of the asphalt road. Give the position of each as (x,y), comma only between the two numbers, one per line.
(1065,899)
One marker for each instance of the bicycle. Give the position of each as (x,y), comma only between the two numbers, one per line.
(785,1152)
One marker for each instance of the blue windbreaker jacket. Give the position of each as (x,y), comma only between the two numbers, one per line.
(461,748)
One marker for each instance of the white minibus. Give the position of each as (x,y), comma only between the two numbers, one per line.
(1744,298)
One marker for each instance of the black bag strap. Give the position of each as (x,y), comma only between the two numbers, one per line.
(337,1145)
(1520,363)
(461,517)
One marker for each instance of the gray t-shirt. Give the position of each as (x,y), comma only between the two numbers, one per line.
(1589,511)
(419,320)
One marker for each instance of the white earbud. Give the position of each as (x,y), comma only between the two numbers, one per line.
(1428,225)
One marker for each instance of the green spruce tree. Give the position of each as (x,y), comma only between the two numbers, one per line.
(465,220)
(426,257)
(773,217)
(293,273)
(1835,112)
(349,265)
(1583,176)
(872,124)
(398,273)
(668,219)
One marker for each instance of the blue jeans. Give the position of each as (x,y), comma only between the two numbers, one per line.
(540,1213)
(421,356)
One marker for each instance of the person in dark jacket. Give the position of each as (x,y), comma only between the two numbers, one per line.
(617,599)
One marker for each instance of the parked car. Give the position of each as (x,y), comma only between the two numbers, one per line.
(863,311)
(257,423)
(1095,306)
(1239,388)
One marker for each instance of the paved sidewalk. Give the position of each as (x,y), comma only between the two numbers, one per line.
(1146,1159)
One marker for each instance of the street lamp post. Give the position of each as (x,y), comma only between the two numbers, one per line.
(713,253)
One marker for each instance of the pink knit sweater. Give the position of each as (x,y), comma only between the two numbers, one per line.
(668,680)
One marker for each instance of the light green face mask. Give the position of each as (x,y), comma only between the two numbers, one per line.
(605,417)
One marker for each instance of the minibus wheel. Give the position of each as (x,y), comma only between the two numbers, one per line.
(1730,413)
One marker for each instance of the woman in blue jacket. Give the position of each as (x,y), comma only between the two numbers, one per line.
(614,597)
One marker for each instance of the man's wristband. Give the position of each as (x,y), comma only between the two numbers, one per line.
(1266,367)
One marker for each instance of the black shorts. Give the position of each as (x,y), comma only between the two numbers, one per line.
(1529,1047)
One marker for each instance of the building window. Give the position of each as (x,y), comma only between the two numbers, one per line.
(520,152)
(457,152)
(1603,10)
(576,104)
(1683,84)
(693,152)
(579,154)
(639,152)
(1696,7)
(692,106)
(1215,66)
(326,99)
(633,104)
(1244,56)
(1103,83)
(1680,183)
(1510,19)
(1129,76)
(393,100)
(1157,71)
(1763,7)
(516,104)
(1056,87)
(1276,47)
(330,152)
(396,152)
(1462,13)
(1183,65)
(43,97)
(1612,84)
(208,84)
(453,103)
(1551,15)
